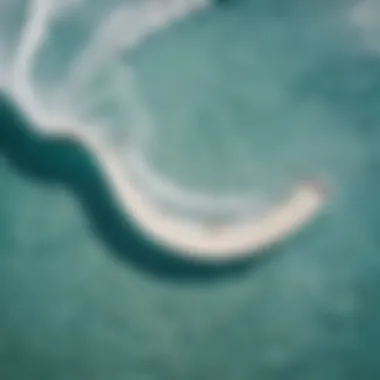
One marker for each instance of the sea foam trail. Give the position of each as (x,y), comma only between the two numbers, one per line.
(122,28)
(220,240)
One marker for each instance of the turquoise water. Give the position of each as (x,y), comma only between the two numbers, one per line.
(262,92)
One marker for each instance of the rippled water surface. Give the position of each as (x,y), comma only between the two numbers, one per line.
(240,98)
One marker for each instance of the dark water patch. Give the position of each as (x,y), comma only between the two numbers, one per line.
(64,161)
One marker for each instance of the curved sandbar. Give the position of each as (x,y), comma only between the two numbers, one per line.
(224,241)
(201,241)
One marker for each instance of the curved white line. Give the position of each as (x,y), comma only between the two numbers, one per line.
(201,241)
(227,241)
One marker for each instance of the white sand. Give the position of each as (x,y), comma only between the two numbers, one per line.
(202,241)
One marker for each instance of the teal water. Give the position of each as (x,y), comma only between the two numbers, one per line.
(84,296)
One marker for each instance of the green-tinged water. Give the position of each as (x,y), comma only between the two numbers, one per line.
(246,96)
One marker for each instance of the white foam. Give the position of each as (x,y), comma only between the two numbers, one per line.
(222,241)
(170,192)
(123,27)
(365,16)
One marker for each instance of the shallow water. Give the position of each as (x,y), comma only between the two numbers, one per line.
(262,91)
